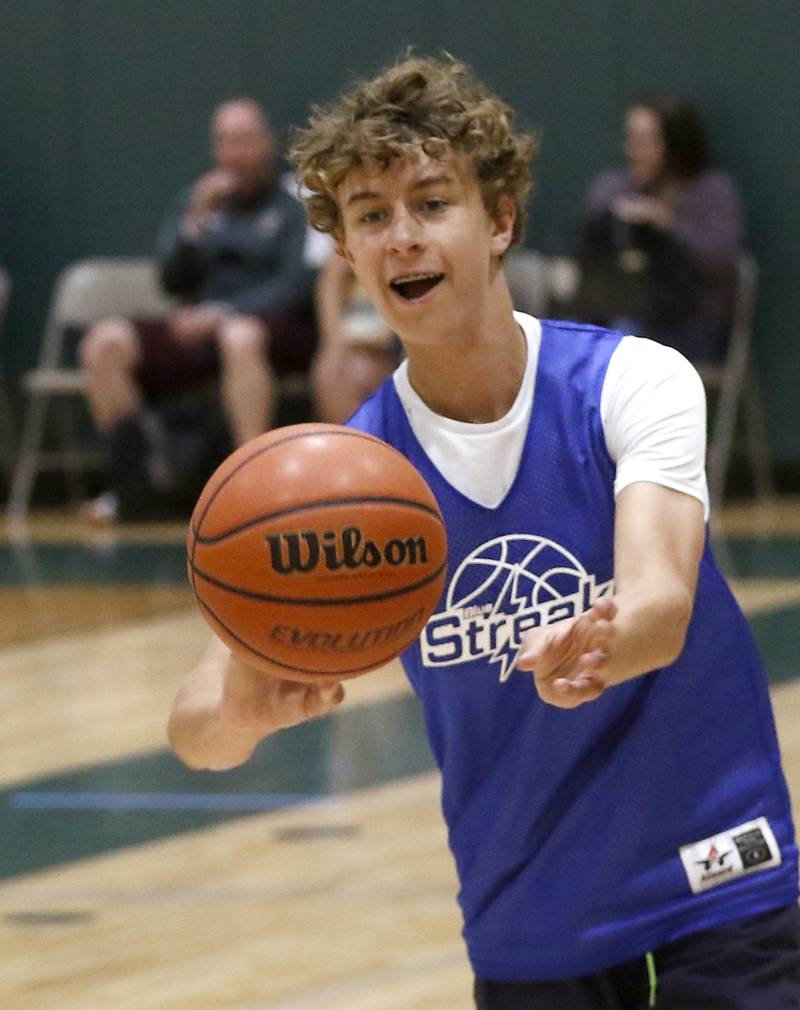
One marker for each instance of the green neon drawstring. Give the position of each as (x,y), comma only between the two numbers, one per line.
(652,981)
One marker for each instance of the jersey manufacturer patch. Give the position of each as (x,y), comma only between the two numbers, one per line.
(729,855)
(500,590)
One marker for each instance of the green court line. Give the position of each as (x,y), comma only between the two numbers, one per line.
(165,563)
(759,557)
(50,821)
(121,564)
(778,635)
(349,750)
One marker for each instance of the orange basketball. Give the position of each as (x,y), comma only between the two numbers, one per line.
(317,551)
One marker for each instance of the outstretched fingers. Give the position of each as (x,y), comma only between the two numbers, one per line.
(568,659)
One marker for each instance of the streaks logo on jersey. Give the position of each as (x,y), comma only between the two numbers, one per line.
(503,588)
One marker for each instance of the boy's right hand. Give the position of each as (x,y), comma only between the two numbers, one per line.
(225,708)
(255,701)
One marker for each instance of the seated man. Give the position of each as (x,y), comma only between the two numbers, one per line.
(233,253)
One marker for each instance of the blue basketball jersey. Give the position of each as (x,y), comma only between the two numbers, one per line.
(586,837)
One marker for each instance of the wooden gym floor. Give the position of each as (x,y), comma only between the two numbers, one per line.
(316,878)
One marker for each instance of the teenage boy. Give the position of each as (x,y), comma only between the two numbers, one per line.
(619,820)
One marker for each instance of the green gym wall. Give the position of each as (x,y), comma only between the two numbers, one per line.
(105,104)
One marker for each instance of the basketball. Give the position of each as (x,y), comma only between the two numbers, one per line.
(317,551)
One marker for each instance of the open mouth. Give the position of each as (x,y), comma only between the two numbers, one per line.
(415,286)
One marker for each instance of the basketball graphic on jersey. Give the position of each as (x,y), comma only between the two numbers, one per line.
(503,588)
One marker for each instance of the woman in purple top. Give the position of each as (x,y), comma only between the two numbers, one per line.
(663,236)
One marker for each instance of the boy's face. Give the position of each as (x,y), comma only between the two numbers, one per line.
(419,238)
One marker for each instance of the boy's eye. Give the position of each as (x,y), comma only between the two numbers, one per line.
(371,217)
(434,203)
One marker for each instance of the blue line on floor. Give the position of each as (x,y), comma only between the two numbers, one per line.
(160,801)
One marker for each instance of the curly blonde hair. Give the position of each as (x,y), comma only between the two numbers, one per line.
(433,105)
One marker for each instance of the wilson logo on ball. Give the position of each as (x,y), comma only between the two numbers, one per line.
(349,548)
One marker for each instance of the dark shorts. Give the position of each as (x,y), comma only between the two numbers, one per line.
(168,367)
(750,964)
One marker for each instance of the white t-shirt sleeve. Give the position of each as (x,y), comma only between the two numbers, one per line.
(653,411)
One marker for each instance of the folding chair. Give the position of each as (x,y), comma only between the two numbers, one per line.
(7,428)
(737,391)
(85,292)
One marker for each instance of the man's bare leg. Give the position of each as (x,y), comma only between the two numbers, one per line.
(109,354)
(248,384)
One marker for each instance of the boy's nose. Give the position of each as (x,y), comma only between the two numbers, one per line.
(404,232)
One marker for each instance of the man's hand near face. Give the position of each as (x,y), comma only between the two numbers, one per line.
(209,193)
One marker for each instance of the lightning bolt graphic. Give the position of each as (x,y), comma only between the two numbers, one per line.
(505,651)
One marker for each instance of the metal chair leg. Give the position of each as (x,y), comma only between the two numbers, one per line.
(7,433)
(757,438)
(28,460)
(723,432)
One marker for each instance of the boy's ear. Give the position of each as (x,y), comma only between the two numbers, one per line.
(503,224)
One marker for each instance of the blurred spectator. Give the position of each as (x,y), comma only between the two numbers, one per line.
(357,349)
(662,237)
(232,251)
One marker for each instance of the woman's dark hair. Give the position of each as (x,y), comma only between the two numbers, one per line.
(685,143)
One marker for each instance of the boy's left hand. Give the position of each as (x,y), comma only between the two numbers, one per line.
(569,659)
